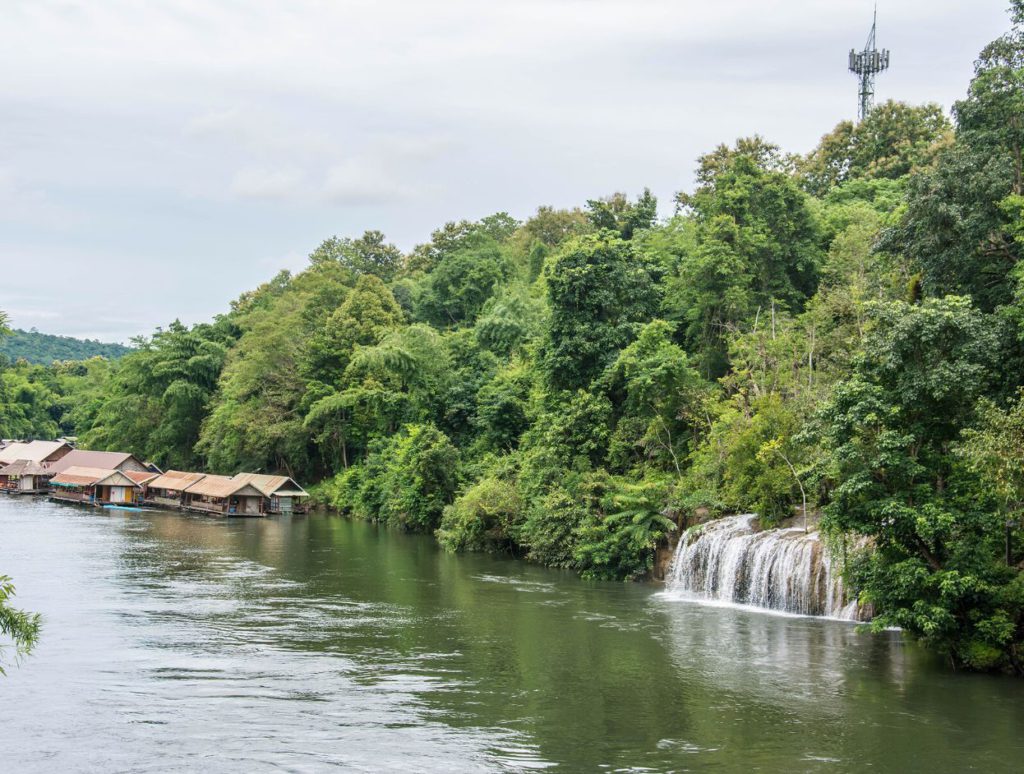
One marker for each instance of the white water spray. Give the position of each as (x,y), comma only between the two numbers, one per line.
(780,569)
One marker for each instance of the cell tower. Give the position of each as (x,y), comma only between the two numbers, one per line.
(866,65)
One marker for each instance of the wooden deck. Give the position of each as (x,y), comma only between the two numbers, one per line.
(73,497)
(218,510)
(163,502)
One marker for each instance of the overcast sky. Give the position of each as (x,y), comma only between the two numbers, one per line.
(159,158)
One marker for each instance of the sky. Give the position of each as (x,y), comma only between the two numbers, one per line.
(159,157)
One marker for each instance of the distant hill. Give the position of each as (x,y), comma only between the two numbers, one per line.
(44,348)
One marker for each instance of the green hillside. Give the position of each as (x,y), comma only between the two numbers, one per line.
(44,348)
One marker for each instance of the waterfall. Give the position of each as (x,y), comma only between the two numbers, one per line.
(780,569)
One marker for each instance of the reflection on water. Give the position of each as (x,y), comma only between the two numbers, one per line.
(307,642)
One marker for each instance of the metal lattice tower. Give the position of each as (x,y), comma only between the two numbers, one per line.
(866,65)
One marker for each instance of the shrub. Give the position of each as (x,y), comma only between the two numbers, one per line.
(419,476)
(618,542)
(483,518)
(549,530)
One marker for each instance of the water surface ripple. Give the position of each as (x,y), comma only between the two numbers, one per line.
(312,643)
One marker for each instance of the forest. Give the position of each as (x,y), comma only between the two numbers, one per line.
(44,348)
(844,326)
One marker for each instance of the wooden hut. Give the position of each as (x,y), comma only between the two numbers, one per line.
(142,480)
(224,496)
(280,493)
(24,477)
(168,489)
(94,486)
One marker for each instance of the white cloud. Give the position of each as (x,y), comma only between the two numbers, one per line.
(361,182)
(24,204)
(260,131)
(229,122)
(170,134)
(28,316)
(266,183)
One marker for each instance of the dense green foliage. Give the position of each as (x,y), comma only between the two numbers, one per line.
(842,329)
(44,348)
(16,626)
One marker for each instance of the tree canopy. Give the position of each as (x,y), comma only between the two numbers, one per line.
(839,333)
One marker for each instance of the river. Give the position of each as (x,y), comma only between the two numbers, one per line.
(315,642)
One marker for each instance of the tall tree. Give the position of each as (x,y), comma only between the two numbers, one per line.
(891,431)
(617,213)
(461,283)
(757,245)
(954,225)
(600,290)
(369,254)
(654,388)
(992,115)
(159,395)
(368,312)
(894,139)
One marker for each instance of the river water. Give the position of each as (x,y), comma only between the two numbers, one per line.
(176,642)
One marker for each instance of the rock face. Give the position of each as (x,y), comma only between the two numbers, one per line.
(789,570)
(663,559)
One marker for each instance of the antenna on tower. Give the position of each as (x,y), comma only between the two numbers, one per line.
(866,65)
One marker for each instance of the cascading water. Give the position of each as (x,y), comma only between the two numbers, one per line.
(781,569)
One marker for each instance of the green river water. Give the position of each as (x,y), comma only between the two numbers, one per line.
(313,643)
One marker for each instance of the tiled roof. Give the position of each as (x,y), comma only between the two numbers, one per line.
(140,476)
(222,486)
(23,468)
(81,476)
(34,451)
(270,485)
(86,458)
(176,480)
